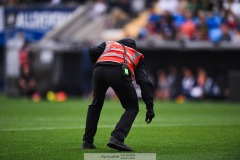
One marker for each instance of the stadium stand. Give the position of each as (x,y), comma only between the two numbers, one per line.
(168,32)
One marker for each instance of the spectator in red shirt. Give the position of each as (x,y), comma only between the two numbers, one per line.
(188,28)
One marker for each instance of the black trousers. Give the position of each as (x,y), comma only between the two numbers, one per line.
(105,76)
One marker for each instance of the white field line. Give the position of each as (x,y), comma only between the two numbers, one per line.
(113,126)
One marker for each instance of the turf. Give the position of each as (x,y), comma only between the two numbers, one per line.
(48,130)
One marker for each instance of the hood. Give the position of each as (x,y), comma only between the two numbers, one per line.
(128,42)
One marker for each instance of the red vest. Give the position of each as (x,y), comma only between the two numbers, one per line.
(114,52)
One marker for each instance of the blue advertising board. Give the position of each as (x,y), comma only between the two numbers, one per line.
(34,22)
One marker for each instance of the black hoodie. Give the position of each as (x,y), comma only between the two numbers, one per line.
(141,74)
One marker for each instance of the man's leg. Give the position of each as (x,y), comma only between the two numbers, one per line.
(128,97)
(126,93)
(99,89)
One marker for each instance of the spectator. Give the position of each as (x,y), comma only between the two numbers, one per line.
(24,54)
(163,86)
(165,26)
(188,28)
(201,32)
(231,21)
(187,83)
(226,35)
(174,82)
(233,6)
(214,22)
(236,36)
(205,87)
(26,82)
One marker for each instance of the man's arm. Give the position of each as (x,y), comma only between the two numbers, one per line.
(141,76)
(95,52)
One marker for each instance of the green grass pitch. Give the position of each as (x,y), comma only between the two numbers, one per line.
(49,131)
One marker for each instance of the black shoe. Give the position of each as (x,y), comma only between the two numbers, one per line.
(87,145)
(118,145)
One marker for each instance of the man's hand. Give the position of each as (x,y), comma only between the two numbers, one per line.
(149,115)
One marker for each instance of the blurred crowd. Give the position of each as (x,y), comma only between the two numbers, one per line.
(185,84)
(194,20)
